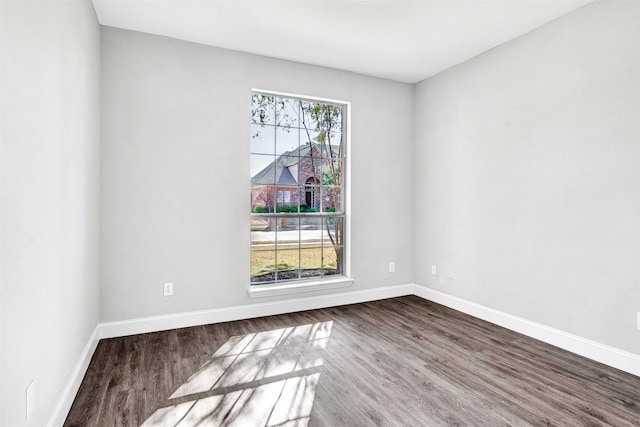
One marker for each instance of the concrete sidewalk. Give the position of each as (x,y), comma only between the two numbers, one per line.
(290,235)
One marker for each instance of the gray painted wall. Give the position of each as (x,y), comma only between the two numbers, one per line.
(175,172)
(50,206)
(527,176)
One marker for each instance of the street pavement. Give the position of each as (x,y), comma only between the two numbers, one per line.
(289,235)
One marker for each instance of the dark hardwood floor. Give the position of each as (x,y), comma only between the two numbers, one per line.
(397,362)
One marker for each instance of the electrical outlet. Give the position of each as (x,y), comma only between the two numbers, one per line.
(392,267)
(168,289)
(639,320)
(30,398)
(433,270)
(450,274)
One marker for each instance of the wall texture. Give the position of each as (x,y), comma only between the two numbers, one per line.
(175,172)
(527,176)
(50,86)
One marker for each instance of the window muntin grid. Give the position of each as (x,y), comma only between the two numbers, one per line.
(297,149)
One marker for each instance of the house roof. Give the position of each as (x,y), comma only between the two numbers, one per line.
(278,172)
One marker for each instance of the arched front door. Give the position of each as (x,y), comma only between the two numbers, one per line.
(310,196)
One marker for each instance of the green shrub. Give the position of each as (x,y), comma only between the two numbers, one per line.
(290,209)
(285,209)
(306,208)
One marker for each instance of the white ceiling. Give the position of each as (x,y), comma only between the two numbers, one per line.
(400,40)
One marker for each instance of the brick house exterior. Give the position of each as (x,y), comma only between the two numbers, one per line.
(294,177)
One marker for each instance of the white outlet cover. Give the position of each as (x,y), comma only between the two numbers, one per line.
(433,270)
(392,267)
(168,289)
(639,320)
(30,398)
(451,274)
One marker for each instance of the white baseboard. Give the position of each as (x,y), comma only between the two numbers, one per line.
(67,396)
(602,353)
(248,311)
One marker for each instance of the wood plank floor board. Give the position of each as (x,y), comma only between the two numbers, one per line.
(397,362)
(536,373)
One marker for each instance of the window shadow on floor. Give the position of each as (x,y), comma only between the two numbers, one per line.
(266,378)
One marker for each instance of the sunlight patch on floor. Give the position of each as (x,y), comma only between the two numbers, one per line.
(250,381)
(281,403)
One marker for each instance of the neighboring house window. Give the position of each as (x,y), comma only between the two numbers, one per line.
(297,188)
(284,197)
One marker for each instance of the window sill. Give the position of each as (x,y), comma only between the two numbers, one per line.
(258,291)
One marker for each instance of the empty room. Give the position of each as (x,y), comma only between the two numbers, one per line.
(319,213)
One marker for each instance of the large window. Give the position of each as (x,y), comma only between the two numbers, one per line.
(297,188)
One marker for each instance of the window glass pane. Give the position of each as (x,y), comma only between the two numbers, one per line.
(263,198)
(311,245)
(288,235)
(338,169)
(308,179)
(334,149)
(287,112)
(259,163)
(288,264)
(325,172)
(306,108)
(311,260)
(330,260)
(262,139)
(311,135)
(334,231)
(319,115)
(262,108)
(310,194)
(332,199)
(328,151)
(336,121)
(325,117)
(263,233)
(284,200)
(286,141)
(259,225)
(310,230)
(326,199)
(263,261)
(305,168)
(333,244)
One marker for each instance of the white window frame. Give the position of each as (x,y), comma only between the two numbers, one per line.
(330,282)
